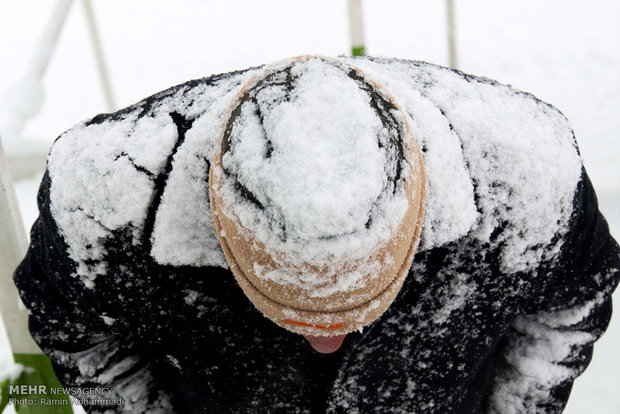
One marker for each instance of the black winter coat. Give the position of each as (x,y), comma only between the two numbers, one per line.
(128,289)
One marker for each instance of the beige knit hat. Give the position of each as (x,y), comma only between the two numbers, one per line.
(317,192)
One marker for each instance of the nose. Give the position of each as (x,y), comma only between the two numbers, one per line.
(325,344)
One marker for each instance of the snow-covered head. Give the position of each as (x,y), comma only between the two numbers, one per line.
(317,191)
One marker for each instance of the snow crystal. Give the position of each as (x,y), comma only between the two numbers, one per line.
(108,320)
(457,295)
(174,361)
(191,296)
(361,315)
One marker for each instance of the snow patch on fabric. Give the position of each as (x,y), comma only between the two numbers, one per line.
(509,141)
(103,179)
(536,357)
(184,232)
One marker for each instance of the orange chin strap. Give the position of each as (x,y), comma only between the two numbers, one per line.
(338,325)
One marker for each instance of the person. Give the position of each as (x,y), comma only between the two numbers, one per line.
(432,234)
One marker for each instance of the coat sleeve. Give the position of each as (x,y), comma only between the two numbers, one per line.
(544,350)
(86,350)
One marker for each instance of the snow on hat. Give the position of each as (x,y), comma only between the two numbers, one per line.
(317,192)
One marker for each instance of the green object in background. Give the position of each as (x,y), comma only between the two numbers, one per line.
(356,27)
(36,390)
(358,51)
(4,392)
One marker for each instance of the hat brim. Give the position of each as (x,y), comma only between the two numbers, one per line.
(321,323)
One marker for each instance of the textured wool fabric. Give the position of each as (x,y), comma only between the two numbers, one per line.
(128,288)
(294,308)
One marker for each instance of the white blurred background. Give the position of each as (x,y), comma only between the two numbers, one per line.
(566,53)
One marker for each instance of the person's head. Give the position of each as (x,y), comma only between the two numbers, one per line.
(317,193)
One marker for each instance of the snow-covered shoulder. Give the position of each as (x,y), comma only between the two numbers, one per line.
(111,174)
(501,166)
(519,154)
